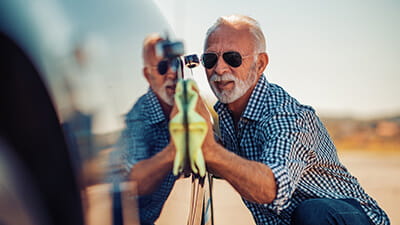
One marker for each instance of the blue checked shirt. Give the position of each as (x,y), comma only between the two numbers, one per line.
(145,135)
(275,129)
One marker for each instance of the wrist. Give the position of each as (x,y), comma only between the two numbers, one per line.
(169,152)
(211,151)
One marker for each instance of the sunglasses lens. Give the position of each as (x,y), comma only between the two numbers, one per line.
(209,60)
(162,67)
(234,59)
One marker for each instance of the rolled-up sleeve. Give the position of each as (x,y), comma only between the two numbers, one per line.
(287,153)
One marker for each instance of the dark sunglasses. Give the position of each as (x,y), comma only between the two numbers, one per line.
(233,59)
(163,65)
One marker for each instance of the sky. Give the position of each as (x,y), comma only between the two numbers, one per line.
(341,57)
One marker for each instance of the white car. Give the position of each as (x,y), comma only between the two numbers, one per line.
(69,71)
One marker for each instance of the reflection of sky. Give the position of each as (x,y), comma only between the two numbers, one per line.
(341,56)
(113,35)
(109,34)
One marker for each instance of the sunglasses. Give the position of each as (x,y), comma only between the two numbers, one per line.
(164,65)
(233,59)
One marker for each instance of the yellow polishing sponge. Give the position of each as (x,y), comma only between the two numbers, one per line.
(197,129)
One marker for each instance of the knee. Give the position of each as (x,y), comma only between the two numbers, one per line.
(312,212)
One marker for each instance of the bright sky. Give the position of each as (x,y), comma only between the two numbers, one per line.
(341,57)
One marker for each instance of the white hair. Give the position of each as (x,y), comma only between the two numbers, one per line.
(254,26)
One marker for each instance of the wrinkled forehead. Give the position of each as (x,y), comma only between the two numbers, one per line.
(230,38)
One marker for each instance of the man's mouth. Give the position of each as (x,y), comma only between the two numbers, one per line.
(170,89)
(225,84)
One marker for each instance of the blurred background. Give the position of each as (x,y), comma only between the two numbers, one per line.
(341,57)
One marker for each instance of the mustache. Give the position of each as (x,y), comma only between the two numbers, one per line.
(169,83)
(223,77)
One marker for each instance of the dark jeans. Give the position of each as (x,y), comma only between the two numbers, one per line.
(330,211)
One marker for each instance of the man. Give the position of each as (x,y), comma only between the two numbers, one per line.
(275,152)
(146,154)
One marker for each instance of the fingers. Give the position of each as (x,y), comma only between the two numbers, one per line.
(174,111)
(202,109)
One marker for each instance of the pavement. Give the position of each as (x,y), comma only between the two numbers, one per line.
(377,171)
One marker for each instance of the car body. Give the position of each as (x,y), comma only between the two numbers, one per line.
(69,72)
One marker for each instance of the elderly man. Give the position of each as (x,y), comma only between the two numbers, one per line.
(275,152)
(144,143)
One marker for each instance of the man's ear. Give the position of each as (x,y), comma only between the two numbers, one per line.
(262,62)
(146,73)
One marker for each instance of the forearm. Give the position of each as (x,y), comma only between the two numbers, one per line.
(149,173)
(253,180)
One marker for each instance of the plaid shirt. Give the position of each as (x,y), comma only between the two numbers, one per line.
(145,135)
(289,138)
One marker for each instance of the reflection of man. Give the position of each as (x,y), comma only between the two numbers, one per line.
(147,157)
(276,152)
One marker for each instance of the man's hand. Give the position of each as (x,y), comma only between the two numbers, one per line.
(209,140)
(253,180)
(197,128)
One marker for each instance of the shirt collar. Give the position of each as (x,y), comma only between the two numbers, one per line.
(256,104)
(154,112)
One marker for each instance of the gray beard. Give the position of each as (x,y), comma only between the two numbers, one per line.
(162,93)
(240,88)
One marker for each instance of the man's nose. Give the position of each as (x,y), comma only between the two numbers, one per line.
(171,74)
(221,66)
